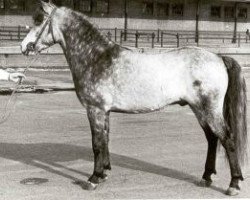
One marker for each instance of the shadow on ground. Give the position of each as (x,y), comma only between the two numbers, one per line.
(46,156)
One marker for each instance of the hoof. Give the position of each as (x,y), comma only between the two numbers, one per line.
(91,186)
(232,191)
(205,183)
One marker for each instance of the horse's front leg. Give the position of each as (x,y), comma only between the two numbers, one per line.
(106,157)
(97,120)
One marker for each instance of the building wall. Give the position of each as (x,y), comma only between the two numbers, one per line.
(15,20)
(138,20)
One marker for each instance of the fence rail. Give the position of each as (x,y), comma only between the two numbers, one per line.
(13,33)
(148,38)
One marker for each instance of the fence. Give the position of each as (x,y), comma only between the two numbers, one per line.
(149,38)
(173,39)
(13,33)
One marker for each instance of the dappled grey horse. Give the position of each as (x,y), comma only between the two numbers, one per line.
(110,78)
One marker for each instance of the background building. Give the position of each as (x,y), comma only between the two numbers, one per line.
(180,15)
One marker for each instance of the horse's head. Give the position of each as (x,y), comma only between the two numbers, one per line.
(45,32)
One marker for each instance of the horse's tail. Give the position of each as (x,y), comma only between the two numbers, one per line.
(235,107)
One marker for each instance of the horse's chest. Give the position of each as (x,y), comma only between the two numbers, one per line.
(93,93)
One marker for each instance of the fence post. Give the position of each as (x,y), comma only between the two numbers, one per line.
(121,37)
(109,35)
(161,39)
(19,33)
(153,40)
(239,40)
(198,43)
(136,39)
(178,40)
(158,35)
(115,34)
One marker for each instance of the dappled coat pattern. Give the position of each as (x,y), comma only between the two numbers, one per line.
(110,78)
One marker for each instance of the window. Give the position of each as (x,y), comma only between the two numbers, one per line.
(162,9)
(102,6)
(229,12)
(13,6)
(177,9)
(148,8)
(242,13)
(16,5)
(2,4)
(216,11)
(85,5)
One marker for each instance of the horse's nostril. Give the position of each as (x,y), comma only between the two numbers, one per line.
(31,46)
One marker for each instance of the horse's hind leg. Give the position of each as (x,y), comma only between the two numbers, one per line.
(210,169)
(227,141)
(236,175)
(212,140)
(97,120)
(218,126)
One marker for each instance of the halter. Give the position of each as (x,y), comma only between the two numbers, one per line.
(31,45)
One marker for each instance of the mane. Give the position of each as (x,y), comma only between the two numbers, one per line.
(86,47)
(81,24)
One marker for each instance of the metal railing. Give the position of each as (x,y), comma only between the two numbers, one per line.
(13,33)
(148,38)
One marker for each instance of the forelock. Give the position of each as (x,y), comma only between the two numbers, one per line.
(38,17)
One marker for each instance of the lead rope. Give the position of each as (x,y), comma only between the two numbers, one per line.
(7,108)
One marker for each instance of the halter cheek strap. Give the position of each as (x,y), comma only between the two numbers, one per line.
(52,33)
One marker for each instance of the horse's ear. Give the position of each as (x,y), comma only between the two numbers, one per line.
(46,7)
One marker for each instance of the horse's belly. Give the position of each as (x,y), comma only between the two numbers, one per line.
(146,86)
(145,96)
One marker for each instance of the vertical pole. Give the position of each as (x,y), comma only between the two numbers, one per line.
(153,40)
(239,40)
(197,21)
(158,35)
(108,6)
(109,35)
(115,34)
(136,39)
(121,37)
(24,7)
(18,33)
(178,40)
(125,20)
(198,43)
(162,39)
(235,22)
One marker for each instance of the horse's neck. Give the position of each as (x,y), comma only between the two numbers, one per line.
(84,46)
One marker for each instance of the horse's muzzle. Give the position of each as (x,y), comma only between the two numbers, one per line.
(30,47)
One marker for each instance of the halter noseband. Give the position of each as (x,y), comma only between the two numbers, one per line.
(31,45)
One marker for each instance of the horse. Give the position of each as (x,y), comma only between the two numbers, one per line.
(111,78)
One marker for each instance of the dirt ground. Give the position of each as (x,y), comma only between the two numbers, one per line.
(156,155)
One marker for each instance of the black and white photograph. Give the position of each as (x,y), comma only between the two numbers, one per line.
(124,99)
